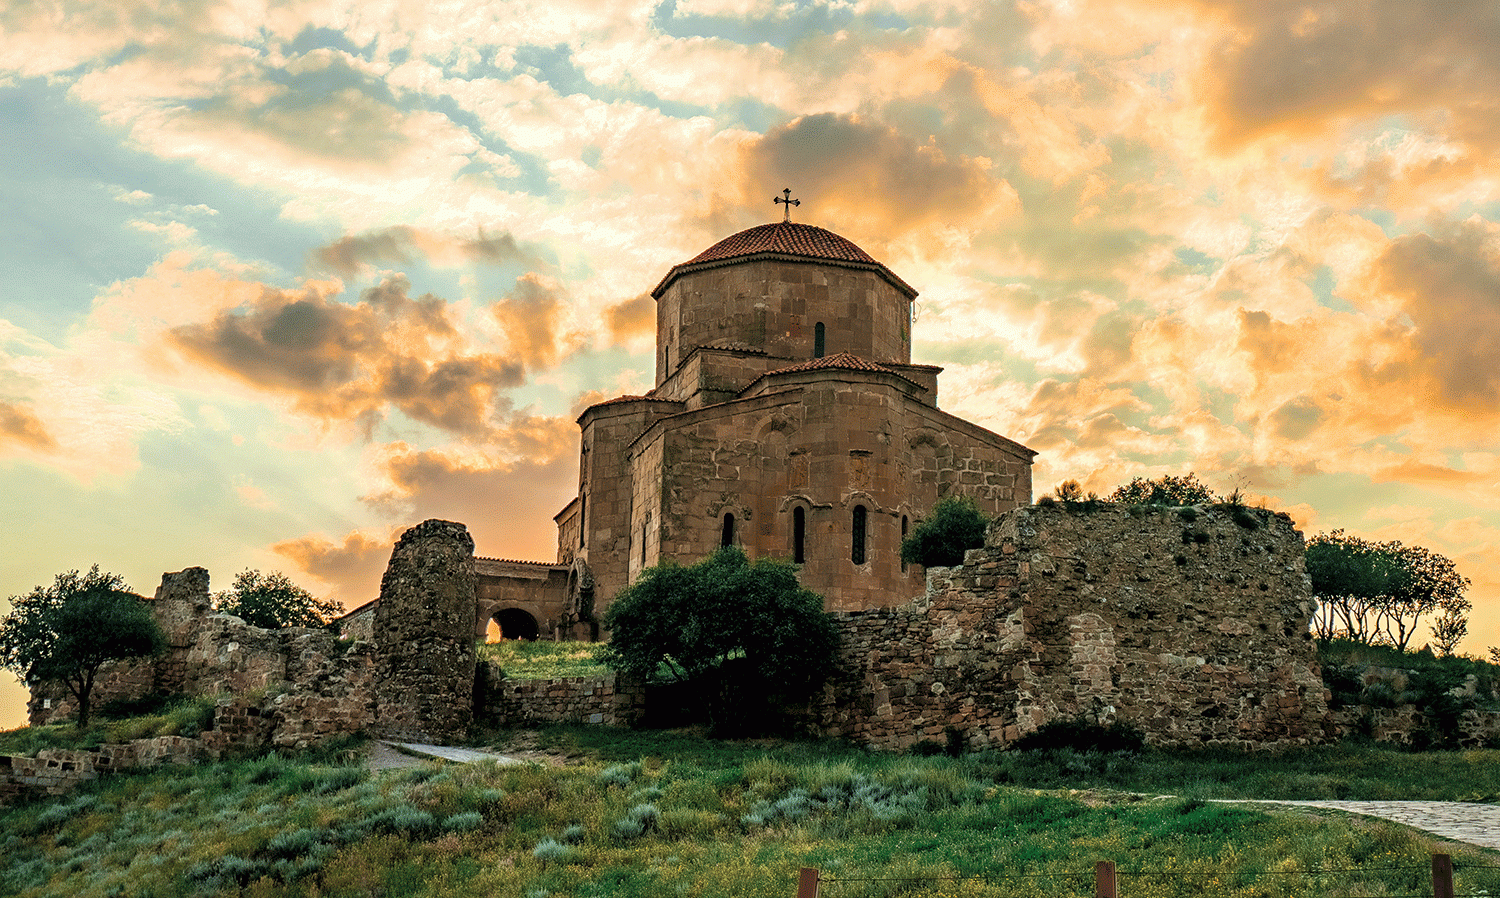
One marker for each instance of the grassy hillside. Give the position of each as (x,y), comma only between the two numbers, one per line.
(674,814)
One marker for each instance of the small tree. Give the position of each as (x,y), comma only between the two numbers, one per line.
(955,526)
(68,631)
(690,624)
(273,601)
(1165,490)
(1379,592)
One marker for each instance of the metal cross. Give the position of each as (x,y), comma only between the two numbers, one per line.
(788,201)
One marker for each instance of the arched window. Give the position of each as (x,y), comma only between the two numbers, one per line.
(820,344)
(583,520)
(903,540)
(727,538)
(799,534)
(857,551)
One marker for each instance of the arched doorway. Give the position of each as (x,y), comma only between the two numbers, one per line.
(512,623)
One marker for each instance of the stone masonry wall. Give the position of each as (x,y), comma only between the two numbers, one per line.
(602,701)
(286,687)
(1190,624)
(424,626)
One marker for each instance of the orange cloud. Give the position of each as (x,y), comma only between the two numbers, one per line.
(507,506)
(402,244)
(21,426)
(348,362)
(859,171)
(352,569)
(631,319)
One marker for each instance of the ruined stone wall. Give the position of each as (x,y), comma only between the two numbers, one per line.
(424,630)
(1187,624)
(56,771)
(603,701)
(285,687)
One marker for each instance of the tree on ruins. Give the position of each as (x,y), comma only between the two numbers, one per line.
(272,601)
(727,628)
(955,526)
(1380,592)
(66,632)
(1165,490)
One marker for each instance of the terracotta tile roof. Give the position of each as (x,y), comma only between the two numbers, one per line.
(789,238)
(516,561)
(839,361)
(843,360)
(735,345)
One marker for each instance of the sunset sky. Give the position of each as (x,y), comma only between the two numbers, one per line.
(281,279)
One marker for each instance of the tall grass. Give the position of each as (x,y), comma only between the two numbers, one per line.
(540,660)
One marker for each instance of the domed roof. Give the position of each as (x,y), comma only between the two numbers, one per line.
(787,240)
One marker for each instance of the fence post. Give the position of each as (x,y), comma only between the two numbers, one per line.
(1104,880)
(1442,876)
(807,883)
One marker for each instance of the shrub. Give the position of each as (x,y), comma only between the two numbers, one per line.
(640,820)
(955,526)
(1082,736)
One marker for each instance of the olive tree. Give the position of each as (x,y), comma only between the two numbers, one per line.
(273,601)
(67,631)
(1380,592)
(695,624)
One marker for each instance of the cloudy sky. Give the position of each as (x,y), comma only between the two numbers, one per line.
(279,279)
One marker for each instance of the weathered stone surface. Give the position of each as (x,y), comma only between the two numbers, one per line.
(603,701)
(424,632)
(1187,624)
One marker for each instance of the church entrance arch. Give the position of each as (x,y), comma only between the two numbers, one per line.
(512,623)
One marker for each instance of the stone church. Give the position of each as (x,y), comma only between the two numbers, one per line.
(787,419)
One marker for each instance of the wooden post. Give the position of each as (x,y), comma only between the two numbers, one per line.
(1442,876)
(807,884)
(1104,880)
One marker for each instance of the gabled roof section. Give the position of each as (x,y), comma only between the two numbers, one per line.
(787,240)
(840,361)
(621,400)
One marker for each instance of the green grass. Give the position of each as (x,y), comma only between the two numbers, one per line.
(176,717)
(677,814)
(539,660)
(674,813)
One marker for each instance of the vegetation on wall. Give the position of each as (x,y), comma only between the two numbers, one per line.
(955,525)
(67,631)
(1165,490)
(732,628)
(272,601)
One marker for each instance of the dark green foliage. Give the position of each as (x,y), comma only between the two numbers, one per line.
(1082,736)
(955,526)
(725,625)
(1379,592)
(67,631)
(273,601)
(1165,490)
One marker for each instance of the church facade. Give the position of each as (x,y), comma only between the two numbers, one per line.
(787,419)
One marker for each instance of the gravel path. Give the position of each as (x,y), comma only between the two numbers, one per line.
(1461,821)
(396,755)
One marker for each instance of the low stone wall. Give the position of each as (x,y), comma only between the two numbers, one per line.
(1406,724)
(1190,624)
(592,700)
(59,771)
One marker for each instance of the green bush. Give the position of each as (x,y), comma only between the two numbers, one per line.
(955,526)
(1082,736)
